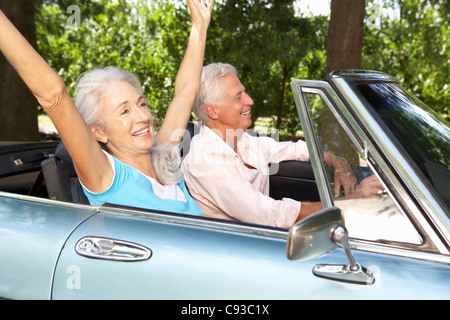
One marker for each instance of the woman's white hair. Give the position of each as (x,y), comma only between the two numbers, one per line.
(165,157)
(210,90)
(90,86)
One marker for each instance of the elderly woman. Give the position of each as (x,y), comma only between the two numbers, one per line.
(109,132)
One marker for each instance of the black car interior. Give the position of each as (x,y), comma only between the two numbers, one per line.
(20,167)
(61,178)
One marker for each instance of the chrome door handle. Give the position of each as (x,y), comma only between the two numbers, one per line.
(111,249)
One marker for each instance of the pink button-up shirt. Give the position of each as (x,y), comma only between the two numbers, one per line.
(235,185)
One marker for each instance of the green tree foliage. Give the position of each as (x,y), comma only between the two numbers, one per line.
(268,41)
(145,37)
(265,40)
(410,40)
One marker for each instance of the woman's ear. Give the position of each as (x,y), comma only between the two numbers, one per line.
(99,134)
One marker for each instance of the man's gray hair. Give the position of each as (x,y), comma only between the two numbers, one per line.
(210,91)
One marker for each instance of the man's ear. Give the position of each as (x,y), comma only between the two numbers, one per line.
(211,111)
(99,134)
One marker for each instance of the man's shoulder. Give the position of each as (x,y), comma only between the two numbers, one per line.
(207,148)
(205,138)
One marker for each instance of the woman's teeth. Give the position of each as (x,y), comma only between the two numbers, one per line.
(245,113)
(141,133)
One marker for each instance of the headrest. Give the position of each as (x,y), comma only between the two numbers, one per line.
(62,155)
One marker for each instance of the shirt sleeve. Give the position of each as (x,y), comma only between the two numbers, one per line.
(221,184)
(286,150)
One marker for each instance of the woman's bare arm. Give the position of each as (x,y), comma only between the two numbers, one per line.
(52,94)
(187,83)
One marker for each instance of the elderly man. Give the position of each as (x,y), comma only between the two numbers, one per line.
(227,170)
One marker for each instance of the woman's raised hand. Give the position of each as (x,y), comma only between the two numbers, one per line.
(200,12)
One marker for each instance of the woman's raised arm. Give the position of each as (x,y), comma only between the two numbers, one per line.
(52,94)
(187,82)
(44,83)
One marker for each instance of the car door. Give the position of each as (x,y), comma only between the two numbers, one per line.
(189,258)
(182,257)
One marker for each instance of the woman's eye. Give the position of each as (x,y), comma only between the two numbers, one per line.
(125,111)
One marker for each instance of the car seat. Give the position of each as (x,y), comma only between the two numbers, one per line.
(185,144)
(61,178)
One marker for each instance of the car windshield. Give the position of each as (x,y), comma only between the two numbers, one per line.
(420,131)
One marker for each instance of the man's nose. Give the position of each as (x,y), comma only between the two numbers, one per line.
(249,100)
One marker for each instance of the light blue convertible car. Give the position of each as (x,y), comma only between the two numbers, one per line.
(55,246)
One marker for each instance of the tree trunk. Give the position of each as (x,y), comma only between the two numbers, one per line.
(282,96)
(344,49)
(345,34)
(18,107)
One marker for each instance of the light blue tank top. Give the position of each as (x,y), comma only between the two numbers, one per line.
(131,188)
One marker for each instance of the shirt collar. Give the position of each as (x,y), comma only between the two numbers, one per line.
(242,142)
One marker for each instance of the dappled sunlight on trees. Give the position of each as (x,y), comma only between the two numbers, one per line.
(410,40)
(268,41)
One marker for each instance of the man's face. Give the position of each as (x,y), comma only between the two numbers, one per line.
(234,109)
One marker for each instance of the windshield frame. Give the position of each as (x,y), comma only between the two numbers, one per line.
(408,120)
(344,83)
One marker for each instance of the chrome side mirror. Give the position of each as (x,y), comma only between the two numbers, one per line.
(310,237)
(319,234)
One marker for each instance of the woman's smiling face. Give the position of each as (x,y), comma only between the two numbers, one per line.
(127,124)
